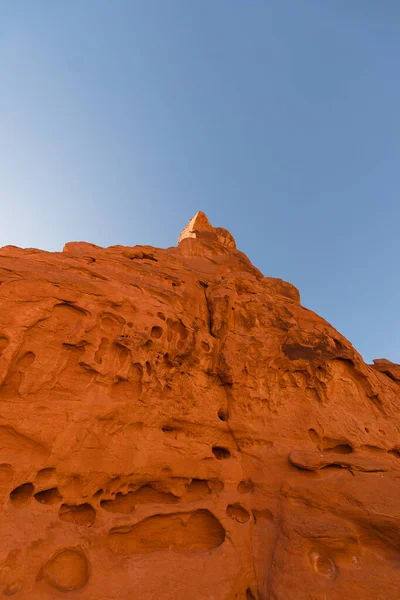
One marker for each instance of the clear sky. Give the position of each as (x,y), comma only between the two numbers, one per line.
(119,119)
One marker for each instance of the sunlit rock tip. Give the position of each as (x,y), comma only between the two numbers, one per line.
(200,227)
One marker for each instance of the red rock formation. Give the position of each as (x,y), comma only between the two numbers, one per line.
(176,426)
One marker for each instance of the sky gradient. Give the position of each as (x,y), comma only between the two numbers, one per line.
(279,119)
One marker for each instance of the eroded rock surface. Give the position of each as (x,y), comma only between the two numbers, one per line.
(176,426)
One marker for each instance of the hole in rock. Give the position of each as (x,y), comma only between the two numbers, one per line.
(170,431)
(66,311)
(80,514)
(222,414)
(340,346)
(366,429)
(329,468)
(148,368)
(395,452)
(322,565)
(156,332)
(371,448)
(176,284)
(205,346)
(197,489)
(44,475)
(221,453)
(250,595)
(122,503)
(216,485)
(111,324)
(314,437)
(51,496)
(244,487)
(125,503)
(177,327)
(67,570)
(149,494)
(21,494)
(196,531)
(147,256)
(340,449)
(237,513)
(98,493)
(161,316)
(147,345)
(264,513)
(26,360)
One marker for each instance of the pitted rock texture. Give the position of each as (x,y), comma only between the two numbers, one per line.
(176,426)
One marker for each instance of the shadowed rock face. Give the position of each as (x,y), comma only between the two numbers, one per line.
(174,425)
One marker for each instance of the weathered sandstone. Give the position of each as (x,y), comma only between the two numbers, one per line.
(176,426)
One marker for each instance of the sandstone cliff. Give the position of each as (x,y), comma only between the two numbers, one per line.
(176,426)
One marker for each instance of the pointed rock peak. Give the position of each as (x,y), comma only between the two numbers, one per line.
(199,225)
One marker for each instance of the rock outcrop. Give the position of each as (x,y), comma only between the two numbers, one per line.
(176,426)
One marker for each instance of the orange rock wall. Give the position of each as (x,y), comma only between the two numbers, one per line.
(175,426)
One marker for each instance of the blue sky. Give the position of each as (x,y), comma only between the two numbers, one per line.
(119,119)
